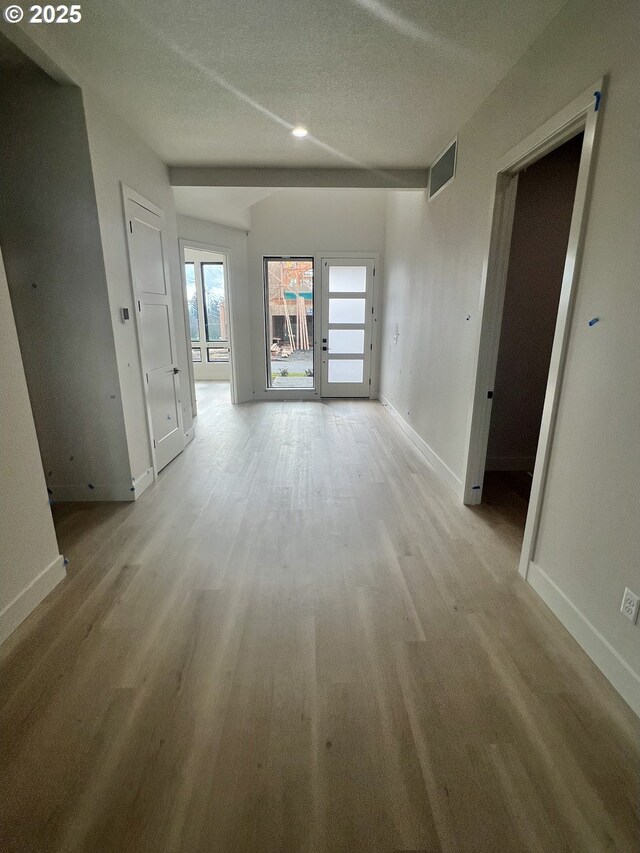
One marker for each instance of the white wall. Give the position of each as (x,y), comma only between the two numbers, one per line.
(53,256)
(30,565)
(234,243)
(589,541)
(544,204)
(118,156)
(307,222)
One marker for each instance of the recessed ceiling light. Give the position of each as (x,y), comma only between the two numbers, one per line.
(300,132)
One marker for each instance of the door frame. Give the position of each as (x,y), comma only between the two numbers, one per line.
(289,393)
(582,114)
(367,357)
(225,251)
(375,320)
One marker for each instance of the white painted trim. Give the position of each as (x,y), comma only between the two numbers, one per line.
(563,324)
(99,492)
(510,463)
(441,468)
(615,668)
(580,114)
(26,601)
(189,435)
(142,482)
(229,277)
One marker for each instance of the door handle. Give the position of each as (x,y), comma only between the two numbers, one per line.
(176,370)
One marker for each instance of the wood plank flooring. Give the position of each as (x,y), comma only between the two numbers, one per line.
(298,640)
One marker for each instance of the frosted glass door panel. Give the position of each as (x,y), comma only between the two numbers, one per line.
(346,341)
(346,370)
(347,279)
(347,326)
(346,310)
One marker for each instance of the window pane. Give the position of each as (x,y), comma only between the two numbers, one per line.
(192,301)
(346,370)
(218,354)
(289,319)
(196,354)
(215,314)
(346,310)
(346,341)
(347,279)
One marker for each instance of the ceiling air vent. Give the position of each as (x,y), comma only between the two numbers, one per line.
(443,170)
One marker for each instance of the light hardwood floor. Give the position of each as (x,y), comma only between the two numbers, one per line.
(298,640)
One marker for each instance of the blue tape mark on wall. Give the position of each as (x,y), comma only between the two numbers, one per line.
(594,320)
(598,96)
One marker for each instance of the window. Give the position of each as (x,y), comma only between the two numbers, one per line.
(215,313)
(196,353)
(192,301)
(288,286)
(217,355)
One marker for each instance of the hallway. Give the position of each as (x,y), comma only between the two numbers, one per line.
(299,640)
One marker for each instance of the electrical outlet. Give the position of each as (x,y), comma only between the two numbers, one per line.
(630,605)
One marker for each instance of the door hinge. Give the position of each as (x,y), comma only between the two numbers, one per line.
(372,309)
(371,346)
(147,375)
(154,443)
(369,380)
(130,227)
(374,270)
(139,305)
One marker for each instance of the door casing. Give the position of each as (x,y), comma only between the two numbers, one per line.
(347,390)
(582,114)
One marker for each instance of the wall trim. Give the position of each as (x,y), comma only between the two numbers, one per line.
(26,601)
(142,482)
(613,666)
(441,468)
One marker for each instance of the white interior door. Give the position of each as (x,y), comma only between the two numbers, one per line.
(347,319)
(152,291)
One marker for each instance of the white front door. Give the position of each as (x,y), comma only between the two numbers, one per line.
(347,315)
(147,253)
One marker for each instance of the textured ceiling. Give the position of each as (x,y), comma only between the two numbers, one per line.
(224,205)
(220,82)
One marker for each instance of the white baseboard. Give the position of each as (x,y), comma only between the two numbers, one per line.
(17,610)
(441,468)
(142,482)
(615,668)
(85,492)
(189,435)
(510,463)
